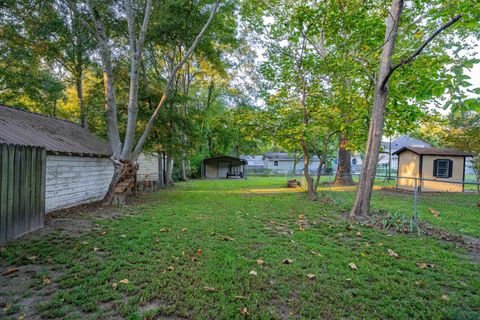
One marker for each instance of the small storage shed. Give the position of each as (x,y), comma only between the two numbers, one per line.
(432,164)
(78,165)
(223,167)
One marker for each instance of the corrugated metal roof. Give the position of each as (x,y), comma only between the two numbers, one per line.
(18,126)
(434,151)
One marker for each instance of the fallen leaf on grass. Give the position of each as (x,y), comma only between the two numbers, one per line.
(95,249)
(84,242)
(434,212)
(171,268)
(339,235)
(227,238)
(10,271)
(287,261)
(123,235)
(124,281)
(253,273)
(46,281)
(315,253)
(423,265)
(114,285)
(419,283)
(164,230)
(244,311)
(302,228)
(444,297)
(240,297)
(209,289)
(21,316)
(301,216)
(311,276)
(260,262)
(349,227)
(358,234)
(32,258)
(199,252)
(392,253)
(363,254)
(7,307)
(213,233)
(184,229)
(353,266)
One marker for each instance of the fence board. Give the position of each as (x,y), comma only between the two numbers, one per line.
(3,193)
(22,190)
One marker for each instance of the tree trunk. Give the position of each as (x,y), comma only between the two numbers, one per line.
(344,169)
(122,181)
(168,171)
(161,175)
(306,172)
(55,107)
(363,197)
(81,104)
(319,175)
(184,170)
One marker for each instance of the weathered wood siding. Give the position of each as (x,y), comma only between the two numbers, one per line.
(147,167)
(22,190)
(72,181)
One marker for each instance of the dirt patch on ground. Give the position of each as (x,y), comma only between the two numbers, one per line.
(471,244)
(24,287)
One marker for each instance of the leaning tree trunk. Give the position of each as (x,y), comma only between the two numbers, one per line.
(363,197)
(123,180)
(344,169)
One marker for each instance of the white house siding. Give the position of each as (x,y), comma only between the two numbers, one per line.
(147,167)
(72,181)
(285,165)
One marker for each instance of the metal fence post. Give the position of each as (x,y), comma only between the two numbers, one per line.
(415,194)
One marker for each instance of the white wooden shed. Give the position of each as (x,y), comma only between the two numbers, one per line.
(78,165)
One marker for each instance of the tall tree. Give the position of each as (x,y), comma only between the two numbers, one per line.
(386,69)
(125,153)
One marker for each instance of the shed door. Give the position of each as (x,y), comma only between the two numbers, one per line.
(223,169)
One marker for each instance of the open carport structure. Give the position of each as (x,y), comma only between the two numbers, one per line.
(223,167)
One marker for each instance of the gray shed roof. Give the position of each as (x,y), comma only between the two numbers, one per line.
(434,151)
(21,127)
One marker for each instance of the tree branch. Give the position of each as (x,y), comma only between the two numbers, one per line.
(420,49)
(148,127)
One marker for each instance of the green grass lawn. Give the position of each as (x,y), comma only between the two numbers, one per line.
(210,234)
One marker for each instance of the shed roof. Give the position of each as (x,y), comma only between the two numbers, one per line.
(21,127)
(243,161)
(434,151)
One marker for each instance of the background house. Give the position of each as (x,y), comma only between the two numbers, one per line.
(431,164)
(283,162)
(389,149)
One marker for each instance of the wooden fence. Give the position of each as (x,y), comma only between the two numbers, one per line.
(22,190)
